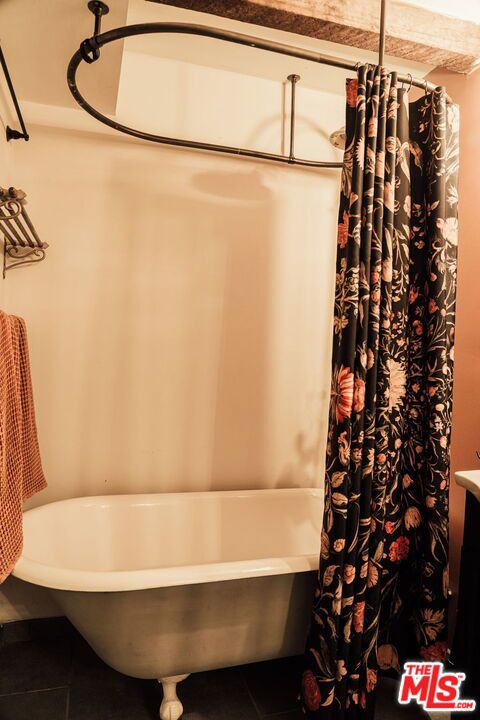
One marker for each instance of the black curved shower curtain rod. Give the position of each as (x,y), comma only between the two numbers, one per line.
(89,52)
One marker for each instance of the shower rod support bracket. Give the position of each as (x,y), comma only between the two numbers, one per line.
(89,49)
(10,133)
(99,9)
(293,80)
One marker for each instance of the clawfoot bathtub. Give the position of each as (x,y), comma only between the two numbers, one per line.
(169,584)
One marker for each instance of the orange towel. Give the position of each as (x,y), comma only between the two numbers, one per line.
(21,473)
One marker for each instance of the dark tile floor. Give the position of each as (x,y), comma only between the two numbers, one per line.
(48,672)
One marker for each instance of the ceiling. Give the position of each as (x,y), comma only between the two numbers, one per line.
(245,60)
(413,32)
(464,9)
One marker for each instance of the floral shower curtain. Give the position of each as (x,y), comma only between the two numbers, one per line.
(383,579)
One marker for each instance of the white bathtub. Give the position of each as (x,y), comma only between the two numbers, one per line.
(168,584)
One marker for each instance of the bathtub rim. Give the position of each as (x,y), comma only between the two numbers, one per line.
(67,579)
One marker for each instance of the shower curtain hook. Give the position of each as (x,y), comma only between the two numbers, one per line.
(410,79)
(425,85)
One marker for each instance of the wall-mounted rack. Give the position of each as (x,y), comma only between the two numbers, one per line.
(12,134)
(21,244)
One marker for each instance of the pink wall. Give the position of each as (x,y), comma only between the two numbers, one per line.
(465,90)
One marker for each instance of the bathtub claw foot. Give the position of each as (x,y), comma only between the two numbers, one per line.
(171,707)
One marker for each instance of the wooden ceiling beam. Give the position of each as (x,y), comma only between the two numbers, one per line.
(413,33)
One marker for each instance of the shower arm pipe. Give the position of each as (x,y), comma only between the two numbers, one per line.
(89,52)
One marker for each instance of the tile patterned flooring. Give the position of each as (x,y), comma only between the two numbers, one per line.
(48,672)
